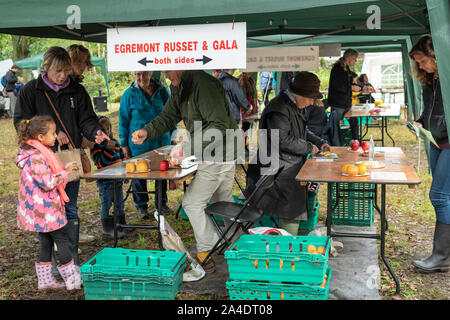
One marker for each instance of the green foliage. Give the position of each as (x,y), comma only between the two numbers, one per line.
(6,45)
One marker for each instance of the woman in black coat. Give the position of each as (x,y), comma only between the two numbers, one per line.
(341,86)
(284,120)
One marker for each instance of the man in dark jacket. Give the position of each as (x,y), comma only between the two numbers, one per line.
(234,93)
(285,114)
(340,88)
(11,91)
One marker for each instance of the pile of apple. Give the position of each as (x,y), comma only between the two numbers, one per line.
(354,145)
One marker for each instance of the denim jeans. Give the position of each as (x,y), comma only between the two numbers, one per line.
(440,187)
(72,189)
(106,192)
(141,199)
(341,111)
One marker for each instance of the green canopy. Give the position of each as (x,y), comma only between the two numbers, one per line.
(263,17)
(35,62)
(282,22)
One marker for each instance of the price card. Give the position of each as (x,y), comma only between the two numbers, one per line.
(388,176)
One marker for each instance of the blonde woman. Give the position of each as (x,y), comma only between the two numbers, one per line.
(341,86)
(75,109)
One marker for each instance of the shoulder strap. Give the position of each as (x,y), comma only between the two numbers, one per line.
(59,118)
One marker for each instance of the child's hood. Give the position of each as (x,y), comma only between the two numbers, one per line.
(23,156)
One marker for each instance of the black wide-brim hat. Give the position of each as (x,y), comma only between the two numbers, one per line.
(306,84)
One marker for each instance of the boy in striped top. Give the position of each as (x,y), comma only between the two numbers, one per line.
(105,154)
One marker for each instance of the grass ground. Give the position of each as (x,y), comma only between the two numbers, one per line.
(409,212)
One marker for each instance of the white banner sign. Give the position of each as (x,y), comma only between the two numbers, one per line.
(187,47)
(282,59)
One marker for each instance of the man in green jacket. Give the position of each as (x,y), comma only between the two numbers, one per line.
(199,100)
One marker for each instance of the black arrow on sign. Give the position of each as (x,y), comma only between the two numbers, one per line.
(144,61)
(205,59)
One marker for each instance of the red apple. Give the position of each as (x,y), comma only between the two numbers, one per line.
(164,165)
(365,145)
(354,144)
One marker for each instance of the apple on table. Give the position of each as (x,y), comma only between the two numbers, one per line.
(365,145)
(164,165)
(354,145)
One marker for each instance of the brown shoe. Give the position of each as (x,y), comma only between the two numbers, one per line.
(209,265)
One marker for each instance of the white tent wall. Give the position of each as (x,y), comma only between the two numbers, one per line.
(373,62)
(372,66)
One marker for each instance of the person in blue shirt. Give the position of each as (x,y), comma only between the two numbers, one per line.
(103,155)
(140,104)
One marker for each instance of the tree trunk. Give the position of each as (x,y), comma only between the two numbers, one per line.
(21,51)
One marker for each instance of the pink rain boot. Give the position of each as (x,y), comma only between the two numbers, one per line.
(70,276)
(46,280)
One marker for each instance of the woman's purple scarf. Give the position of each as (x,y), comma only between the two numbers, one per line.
(55,87)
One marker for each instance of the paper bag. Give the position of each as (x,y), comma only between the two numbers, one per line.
(68,156)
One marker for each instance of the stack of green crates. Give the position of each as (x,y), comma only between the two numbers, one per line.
(265,267)
(354,212)
(128,274)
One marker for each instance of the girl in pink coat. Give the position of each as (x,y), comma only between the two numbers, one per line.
(41,200)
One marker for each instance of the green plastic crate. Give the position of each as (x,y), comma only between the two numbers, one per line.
(311,223)
(128,274)
(277,258)
(365,120)
(248,290)
(355,212)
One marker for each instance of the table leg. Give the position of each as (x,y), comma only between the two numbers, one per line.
(360,128)
(329,207)
(385,124)
(366,131)
(383,238)
(383,226)
(116,211)
(158,187)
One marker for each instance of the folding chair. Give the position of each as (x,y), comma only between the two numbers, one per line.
(242,215)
